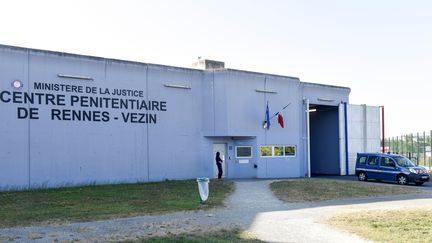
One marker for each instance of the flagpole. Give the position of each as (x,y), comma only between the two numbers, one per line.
(277,113)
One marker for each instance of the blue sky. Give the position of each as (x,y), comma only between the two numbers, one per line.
(382,50)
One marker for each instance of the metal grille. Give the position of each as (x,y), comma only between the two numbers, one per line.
(415,146)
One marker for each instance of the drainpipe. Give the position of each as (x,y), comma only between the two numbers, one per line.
(308,138)
(346,139)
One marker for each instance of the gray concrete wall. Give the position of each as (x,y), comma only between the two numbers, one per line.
(14,133)
(216,106)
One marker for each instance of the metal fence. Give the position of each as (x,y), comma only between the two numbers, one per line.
(415,146)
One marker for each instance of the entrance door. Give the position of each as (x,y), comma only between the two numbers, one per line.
(219,147)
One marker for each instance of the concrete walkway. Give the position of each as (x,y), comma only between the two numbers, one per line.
(274,221)
(251,207)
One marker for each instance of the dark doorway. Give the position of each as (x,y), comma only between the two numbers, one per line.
(324,140)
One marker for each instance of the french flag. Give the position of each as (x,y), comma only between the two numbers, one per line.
(267,120)
(280,120)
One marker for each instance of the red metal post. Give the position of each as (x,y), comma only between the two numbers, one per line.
(382,130)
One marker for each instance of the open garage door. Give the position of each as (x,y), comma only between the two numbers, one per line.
(324,140)
(362,130)
(328,132)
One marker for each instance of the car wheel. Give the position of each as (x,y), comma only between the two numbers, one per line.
(419,183)
(362,176)
(402,180)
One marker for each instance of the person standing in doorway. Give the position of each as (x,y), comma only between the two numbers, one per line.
(219,165)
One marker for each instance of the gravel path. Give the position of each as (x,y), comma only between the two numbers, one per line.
(251,207)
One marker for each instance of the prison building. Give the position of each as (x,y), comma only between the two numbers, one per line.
(68,119)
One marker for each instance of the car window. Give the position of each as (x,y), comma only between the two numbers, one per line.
(385,161)
(373,160)
(362,160)
(404,162)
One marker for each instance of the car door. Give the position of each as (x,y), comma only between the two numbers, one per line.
(388,169)
(373,166)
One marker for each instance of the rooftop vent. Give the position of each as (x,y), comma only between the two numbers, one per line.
(208,64)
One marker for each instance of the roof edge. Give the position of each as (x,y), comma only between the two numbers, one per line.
(251,72)
(96,58)
(325,85)
(162,65)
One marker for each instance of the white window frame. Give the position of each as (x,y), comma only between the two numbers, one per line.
(269,156)
(295,150)
(283,149)
(242,157)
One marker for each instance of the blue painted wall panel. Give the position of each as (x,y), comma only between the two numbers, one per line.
(174,142)
(14,133)
(82,152)
(221,106)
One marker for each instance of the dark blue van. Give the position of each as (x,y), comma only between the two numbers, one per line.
(389,167)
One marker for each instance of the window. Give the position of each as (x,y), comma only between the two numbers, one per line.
(362,160)
(404,162)
(385,161)
(266,151)
(290,150)
(243,151)
(278,151)
(373,160)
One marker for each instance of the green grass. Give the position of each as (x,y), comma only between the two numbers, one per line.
(413,225)
(321,189)
(222,236)
(105,202)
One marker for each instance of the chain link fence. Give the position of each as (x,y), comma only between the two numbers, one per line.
(415,146)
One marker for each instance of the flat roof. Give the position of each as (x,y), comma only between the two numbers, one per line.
(325,85)
(160,65)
